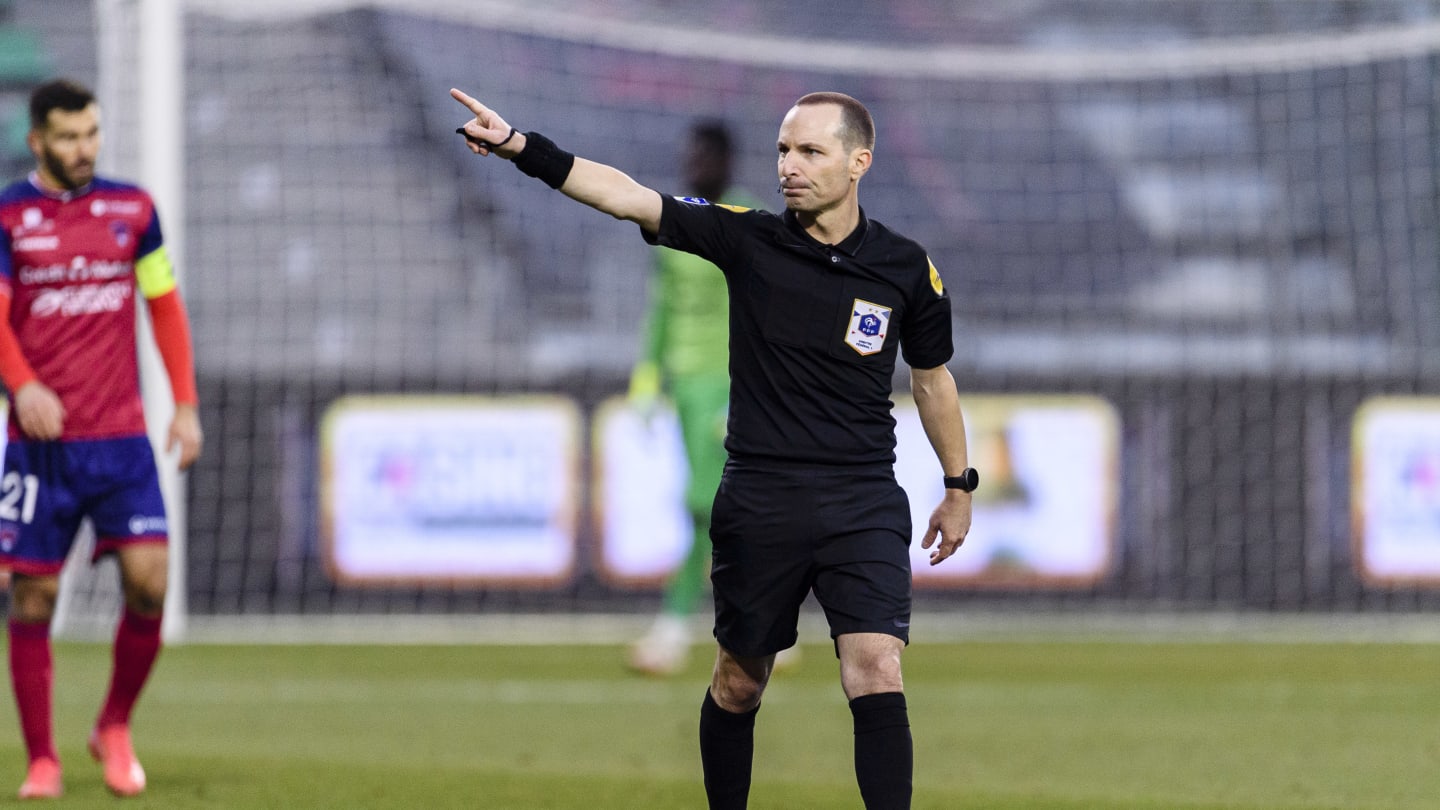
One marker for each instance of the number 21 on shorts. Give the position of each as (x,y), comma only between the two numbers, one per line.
(18,491)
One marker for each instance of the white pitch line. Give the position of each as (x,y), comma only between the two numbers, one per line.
(963,624)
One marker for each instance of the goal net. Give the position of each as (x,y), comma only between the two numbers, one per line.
(1187,245)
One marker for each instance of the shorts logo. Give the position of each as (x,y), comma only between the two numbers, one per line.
(8,536)
(868,325)
(142,525)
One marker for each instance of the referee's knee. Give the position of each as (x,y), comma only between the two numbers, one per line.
(738,684)
(736,697)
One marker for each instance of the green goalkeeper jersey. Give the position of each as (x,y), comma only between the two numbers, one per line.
(688,326)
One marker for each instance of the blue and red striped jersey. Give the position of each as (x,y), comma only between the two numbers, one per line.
(71,263)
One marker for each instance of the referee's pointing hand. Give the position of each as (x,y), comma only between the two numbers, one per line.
(487,129)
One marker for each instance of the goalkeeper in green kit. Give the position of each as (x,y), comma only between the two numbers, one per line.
(685,356)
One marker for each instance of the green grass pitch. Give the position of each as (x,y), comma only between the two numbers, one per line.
(1033,725)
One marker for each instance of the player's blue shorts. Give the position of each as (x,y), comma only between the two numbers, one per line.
(49,487)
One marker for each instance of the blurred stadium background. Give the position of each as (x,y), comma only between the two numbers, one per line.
(1213,223)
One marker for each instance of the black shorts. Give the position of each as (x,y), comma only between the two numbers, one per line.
(780,533)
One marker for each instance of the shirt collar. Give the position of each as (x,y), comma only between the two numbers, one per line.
(850,245)
(63,195)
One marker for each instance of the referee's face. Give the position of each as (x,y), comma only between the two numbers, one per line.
(817,172)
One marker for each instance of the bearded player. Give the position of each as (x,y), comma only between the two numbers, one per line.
(74,250)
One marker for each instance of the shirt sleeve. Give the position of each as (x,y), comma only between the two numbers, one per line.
(925,339)
(172,338)
(692,225)
(15,371)
(7,272)
(153,272)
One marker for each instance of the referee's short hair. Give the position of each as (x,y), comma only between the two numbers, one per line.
(60,94)
(857,128)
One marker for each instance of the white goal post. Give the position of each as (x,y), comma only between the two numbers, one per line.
(140,56)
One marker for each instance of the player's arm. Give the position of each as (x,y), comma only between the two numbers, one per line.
(38,409)
(939,405)
(156,279)
(597,185)
(645,378)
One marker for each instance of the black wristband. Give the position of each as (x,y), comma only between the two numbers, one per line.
(542,159)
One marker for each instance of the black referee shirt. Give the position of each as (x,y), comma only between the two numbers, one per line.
(814,329)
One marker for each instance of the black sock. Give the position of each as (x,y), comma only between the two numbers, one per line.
(884,752)
(727,747)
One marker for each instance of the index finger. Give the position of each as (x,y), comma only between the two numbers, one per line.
(470,103)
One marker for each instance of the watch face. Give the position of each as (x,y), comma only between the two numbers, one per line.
(966,481)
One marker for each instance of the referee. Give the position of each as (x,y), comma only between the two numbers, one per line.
(822,299)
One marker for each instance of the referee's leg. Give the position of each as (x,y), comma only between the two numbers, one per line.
(727,727)
(884,750)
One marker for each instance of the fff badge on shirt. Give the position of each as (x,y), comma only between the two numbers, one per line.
(868,325)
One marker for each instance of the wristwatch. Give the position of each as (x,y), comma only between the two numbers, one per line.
(966,481)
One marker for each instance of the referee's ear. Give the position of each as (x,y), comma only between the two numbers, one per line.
(860,159)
